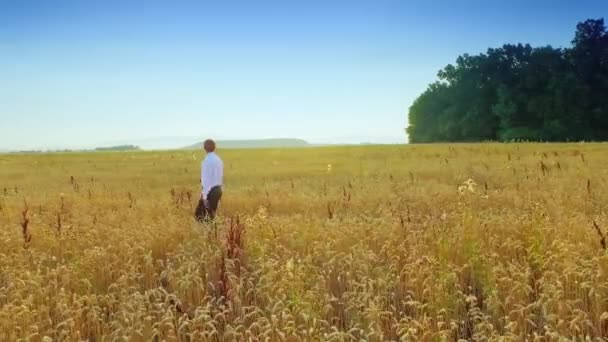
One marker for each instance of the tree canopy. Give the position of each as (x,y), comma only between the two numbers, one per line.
(520,92)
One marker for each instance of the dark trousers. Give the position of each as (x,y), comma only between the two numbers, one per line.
(205,213)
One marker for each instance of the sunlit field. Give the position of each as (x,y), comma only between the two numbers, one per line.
(437,242)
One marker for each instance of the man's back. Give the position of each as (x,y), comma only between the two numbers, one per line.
(212,177)
(212,173)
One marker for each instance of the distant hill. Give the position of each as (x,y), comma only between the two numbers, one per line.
(119,148)
(257,143)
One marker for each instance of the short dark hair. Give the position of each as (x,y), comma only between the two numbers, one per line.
(209,145)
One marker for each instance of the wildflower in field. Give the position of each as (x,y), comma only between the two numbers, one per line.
(262,212)
(470,183)
(467,186)
(328,167)
(289,266)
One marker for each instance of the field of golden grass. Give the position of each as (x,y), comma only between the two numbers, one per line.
(433,243)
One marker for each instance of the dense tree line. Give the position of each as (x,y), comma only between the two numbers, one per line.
(519,92)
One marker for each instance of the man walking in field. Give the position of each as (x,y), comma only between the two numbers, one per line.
(212,174)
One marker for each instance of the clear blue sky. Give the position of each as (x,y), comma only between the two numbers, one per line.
(80,73)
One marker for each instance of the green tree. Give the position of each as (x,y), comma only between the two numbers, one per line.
(517,92)
(589,58)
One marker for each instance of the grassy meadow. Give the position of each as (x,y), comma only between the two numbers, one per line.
(370,243)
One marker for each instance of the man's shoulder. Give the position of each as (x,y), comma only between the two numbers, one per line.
(213,158)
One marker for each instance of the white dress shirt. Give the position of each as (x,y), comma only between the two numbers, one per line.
(212,173)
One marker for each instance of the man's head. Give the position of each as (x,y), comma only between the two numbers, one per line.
(209,146)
